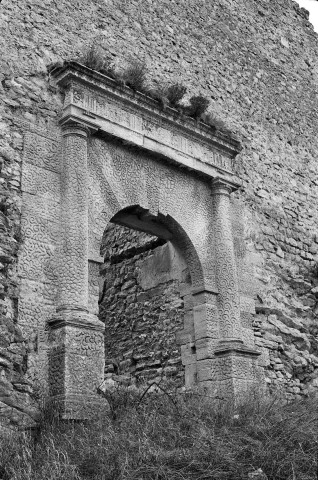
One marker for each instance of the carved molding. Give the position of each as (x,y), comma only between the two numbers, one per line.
(231,347)
(91,97)
(77,319)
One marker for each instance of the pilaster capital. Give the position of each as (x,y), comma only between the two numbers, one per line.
(221,186)
(73,125)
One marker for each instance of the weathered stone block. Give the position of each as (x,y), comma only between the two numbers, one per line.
(206,321)
(76,363)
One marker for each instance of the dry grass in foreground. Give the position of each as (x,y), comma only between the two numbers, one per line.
(175,437)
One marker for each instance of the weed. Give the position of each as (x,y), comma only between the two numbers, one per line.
(135,75)
(218,124)
(185,437)
(93,58)
(159,94)
(175,93)
(198,105)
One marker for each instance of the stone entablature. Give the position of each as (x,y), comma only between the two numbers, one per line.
(99,102)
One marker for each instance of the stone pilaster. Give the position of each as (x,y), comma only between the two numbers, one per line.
(232,369)
(76,338)
(228,298)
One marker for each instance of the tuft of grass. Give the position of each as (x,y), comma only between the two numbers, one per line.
(175,93)
(95,59)
(198,105)
(218,124)
(159,94)
(135,75)
(172,437)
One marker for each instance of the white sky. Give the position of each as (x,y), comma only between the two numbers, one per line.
(312,7)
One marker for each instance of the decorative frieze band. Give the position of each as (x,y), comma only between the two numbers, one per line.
(138,120)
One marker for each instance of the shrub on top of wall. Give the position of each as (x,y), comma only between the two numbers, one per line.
(93,58)
(135,75)
(198,105)
(214,122)
(175,94)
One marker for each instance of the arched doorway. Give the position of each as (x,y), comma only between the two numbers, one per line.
(145,300)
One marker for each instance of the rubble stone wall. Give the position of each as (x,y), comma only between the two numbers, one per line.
(141,306)
(257,63)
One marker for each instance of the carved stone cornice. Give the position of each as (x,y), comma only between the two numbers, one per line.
(133,117)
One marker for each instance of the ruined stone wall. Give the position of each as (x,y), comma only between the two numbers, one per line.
(257,63)
(141,306)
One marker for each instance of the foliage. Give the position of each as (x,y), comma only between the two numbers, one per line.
(198,105)
(171,437)
(135,75)
(95,59)
(175,93)
(218,124)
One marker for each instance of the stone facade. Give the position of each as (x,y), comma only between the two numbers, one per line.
(257,64)
(174,179)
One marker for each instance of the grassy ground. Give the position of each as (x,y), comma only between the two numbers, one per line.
(170,437)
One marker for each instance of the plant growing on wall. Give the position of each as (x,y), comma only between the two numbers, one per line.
(95,59)
(175,94)
(159,94)
(214,122)
(198,105)
(135,75)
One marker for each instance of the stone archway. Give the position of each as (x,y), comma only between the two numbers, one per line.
(146,303)
(119,150)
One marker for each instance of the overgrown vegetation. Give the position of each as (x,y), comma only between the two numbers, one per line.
(175,94)
(94,58)
(134,76)
(170,437)
(198,106)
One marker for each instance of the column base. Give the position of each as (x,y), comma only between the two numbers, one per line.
(233,372)
(76,364)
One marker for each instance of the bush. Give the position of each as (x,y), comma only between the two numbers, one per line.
(218,124)
(95,59)
(173,437)
(135,75)
(198,105)
(175,93)
(158,94)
